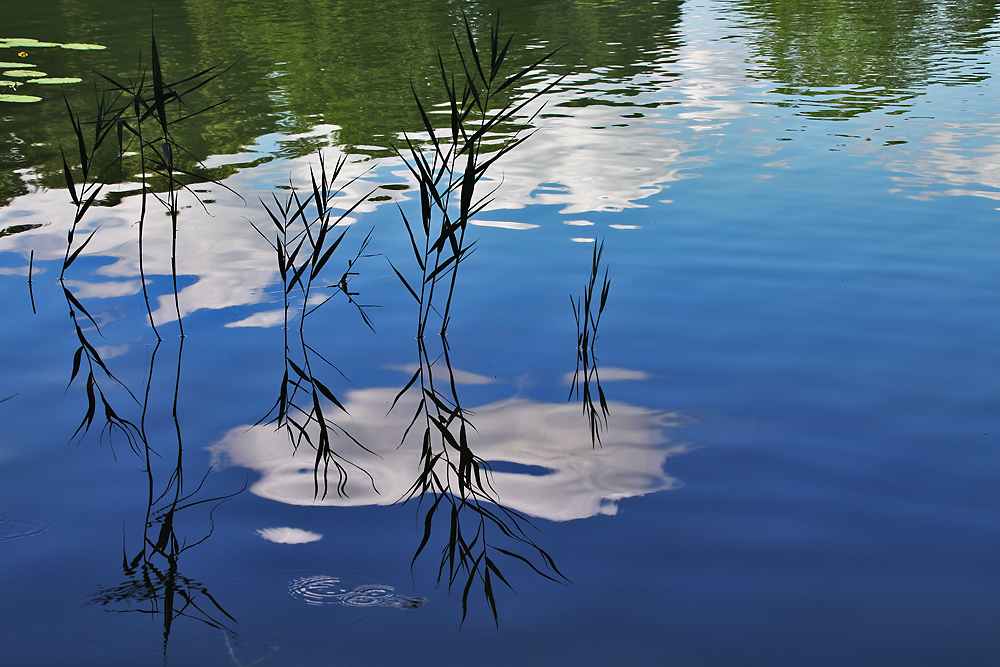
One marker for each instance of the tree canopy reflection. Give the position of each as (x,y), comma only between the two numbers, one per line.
(836,59)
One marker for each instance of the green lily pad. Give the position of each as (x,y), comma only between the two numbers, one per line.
(17,65)
(84,47)
(24,73)
(57,79)
(19,98)
(5,82)
(31,43)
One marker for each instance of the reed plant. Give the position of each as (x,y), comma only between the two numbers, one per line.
(451,163)
(587,312)
(448,167)
(309,232)
(139,115)
(135,115)
(453,485)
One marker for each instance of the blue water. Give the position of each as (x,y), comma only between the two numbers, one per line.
(799,350)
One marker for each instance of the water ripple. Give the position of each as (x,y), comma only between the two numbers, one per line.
(322,589)
(13,528)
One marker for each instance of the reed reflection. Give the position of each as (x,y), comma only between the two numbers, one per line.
(539,454)
(305,242)
(586,378)
(154,583)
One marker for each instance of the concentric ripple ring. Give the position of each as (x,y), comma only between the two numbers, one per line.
(323,589)
(19,528)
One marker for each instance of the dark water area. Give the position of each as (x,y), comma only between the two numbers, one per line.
(774,440)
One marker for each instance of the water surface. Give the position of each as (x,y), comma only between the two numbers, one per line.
(798,210)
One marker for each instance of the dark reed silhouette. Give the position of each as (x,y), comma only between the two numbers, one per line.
(453,483)
(137,113)
(586,379)
(140,114)
(305,242)
(132,115)
(154,583)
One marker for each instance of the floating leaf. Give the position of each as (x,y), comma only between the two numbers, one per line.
(19,98)
(24,73)
(30,43)
(57,79)
(17,65)
(84,47)
(12,84)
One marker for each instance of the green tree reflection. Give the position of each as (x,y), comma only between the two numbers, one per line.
(835,59)
(300,64)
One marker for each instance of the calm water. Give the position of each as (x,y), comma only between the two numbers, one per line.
(798,205)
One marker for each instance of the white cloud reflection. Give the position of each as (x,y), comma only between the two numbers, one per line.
(216,245)
(265,319)
(546,464)
(962,156)
(285,535)
(612,374)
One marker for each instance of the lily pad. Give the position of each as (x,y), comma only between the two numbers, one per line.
(24,73)
(57,79)
(19,98)
(17,65)
(84,47)
(31,43)
(5,82)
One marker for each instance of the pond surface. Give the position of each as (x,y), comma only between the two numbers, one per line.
(798,457)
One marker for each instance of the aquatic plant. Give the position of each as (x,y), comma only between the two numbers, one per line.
(145,110)
(121,121)
(23,99)
(453,484)
(587,313)
(25,70)
(449,169)
(305,242)
(452,479)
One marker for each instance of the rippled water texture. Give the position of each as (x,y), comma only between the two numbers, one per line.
(719,381)
(14,528)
